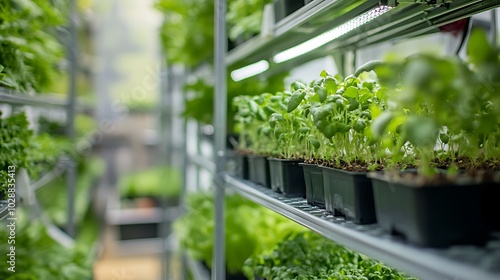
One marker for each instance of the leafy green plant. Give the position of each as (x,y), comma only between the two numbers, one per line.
(53,197)
(14,145)
(187,32)
(39,257)
(445,111)
(250,229)
(45,152)
(245,17)
(29,50)
(326,120)
(161,181)
(310,256)
(335,116)
(199,105)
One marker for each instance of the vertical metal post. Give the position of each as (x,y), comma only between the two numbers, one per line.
(185,165)
(165,151)
(70,113)
(494,28)
(220,111)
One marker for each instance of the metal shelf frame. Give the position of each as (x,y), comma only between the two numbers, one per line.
(406,20)
(15,98)
(373,242)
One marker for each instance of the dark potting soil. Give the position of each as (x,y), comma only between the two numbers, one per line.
(354,166)
(466,163)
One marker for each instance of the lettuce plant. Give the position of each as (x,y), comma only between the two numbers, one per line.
(310,256)
(29,49)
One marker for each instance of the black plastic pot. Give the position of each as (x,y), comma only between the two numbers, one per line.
(139,231)
(287,177)
(242,166)
(258,170)
(433,216)
(491,206)
(283,8)
(313,177)
(349,194)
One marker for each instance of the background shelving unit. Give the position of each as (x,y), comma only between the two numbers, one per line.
(69,107)
(400,20)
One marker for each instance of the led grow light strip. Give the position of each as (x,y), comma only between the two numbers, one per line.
(249,70)
(331,35)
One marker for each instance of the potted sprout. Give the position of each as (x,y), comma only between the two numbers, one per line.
(339,111)
(444,113)
(287,130)
(255,142)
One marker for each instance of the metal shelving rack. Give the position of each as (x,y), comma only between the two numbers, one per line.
(403,19)
(19,99)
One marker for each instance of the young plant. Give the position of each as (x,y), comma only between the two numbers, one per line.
(251,123)
(339,113)
(444,111)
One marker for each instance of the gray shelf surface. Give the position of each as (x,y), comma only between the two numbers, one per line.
(20,99)
(203,162)
(407,20)
(457,262)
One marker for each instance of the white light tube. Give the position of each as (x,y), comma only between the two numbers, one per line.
(331,35)
(249,70)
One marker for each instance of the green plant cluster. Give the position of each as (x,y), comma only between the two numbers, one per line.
(324,120)
(187,32)
(311,256)
(53,197)
(425,111)
(84,125)
(15,139)
(244,18)
(37,153)
(160,181)
(39,257)
(199,106)
(29,49)
(45,152)
(445,110)
(250,229)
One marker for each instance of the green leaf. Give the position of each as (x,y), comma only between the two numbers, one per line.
(295,100)
(331,85)
(275,118)
(380,123)
(323,74)
(351,92)
(421,131)
(297,85)
(321,92)
(314,142)
(479,50)
(444,138)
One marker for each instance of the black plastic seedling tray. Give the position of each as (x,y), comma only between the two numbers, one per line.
(433,216)
(258,170)
(315,191)
(349,194)
(287,177)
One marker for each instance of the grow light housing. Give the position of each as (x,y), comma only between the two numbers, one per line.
(249,70)
(330,35)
